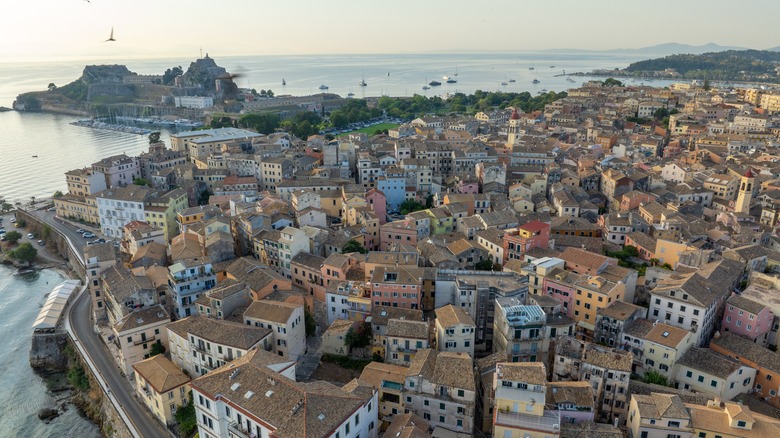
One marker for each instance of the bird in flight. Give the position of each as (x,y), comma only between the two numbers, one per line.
(111,37)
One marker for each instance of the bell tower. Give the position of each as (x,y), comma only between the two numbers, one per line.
(514,130)
(745,192)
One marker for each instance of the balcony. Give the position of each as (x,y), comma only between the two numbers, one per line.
(144,340)
(237,430)
(549,422)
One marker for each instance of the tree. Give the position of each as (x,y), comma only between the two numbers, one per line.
(707,85)
(353,246)
(157,348)
(655,378)
(141,182)
(410,206)
(51,86)
(484,265)
(32,200)
(154,137)
(310,323)
(170,75)
(611,82)
(57,194)
(359,338)
(13,236)
(24,253)
(630,251)
(203,198)
(185,417)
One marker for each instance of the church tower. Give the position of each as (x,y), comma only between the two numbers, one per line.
(745,192)
(514,130)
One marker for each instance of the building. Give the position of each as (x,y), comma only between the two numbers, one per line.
(397,287)
(404,338)
(454,330)
(137,333)
(388,380)
(188,279)
(612,320)
(98,259)
(441,388)
(521,402)
(656,415)
(248,398)
(694,301)
(121,205)
(656,346)
(193,102)
(573,402)
(162,387)
(766,363)
(519,331)
(607,370)
(285,320)
(749,318)
(199,345)
(716,375)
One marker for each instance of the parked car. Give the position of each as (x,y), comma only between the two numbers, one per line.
(88,235)
(13,220)
(97,241)
(30,236)
(81,231)
(41,243)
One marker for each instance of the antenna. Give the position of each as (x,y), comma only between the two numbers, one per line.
(201,53)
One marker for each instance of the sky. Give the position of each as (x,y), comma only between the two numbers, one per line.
(62,29)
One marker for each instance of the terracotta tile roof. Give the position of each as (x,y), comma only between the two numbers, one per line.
(710,362)
(376,372)
(380,315)
(578,393)
(274,311)
(407,426)
(162,374)
(744,348)
(408,329)
(532,373)
(221,332)
(450,315)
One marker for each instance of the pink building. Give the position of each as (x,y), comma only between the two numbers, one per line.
(468,186)
(336,267)
(559,284)
(377,200)
(518,241)
(397,287)
(747,318)
(403,232)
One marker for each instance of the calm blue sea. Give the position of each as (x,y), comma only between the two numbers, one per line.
(24,392)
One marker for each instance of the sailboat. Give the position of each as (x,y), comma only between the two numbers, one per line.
(284,82)
(456,69)
(362,83)
(426,87)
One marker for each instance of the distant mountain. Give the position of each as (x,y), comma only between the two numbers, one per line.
(664,49)
(774,49)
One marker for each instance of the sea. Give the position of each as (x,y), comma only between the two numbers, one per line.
(24,392)
(37,148)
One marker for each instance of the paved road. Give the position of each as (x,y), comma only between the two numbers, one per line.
(146,425)
(67,229)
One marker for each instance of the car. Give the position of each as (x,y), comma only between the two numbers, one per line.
(13,220)
(2,238)
(81,231)
(41,243)
(88,235)
(51,209)
(101,240)
(90,243)
(30,236)
(97,241)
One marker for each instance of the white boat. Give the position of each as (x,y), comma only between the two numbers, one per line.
(446,78)
(362,83)
(323,87)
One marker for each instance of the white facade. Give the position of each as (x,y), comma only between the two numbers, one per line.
(292,242)
(193,102)
(114,214)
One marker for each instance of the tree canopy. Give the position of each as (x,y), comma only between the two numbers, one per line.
(359,338)
(410,206)
(24,253)
(13,236)
(353,246)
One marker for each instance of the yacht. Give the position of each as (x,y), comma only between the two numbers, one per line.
(530,68)
(512,80)
(445,78)
(535,81)
(434,83)
(451,81)
(503,83)
(425,87)
(552,66)
(323,87)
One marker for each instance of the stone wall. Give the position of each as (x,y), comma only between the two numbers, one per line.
(46,351)
(58,240)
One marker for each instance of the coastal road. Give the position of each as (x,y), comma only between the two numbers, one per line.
(141,418)
(65,228)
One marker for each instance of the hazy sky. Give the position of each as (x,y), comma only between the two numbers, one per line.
(41,29)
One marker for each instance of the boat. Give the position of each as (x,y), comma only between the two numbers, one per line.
(323,87)
(362,83)
(434,83)
(503,83)
(350,94)
(512,80)
(425,87)
(445,78)
(570,80)
(552,66)
(284,82)
(35,156)
(530,68)
(388,73)
(535,81)
(451,81)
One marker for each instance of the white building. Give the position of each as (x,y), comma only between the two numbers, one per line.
(291,242)
(285,320)
(248,399)
(193,102)
(199,345)
(454,330)
(118,206)
(187,279)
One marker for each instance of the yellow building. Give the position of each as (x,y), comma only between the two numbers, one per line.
(593,293)
(163,212)
(162,386)
(389,382)
(519,411)
(669,252)
(78,208)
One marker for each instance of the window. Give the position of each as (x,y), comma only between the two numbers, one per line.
(461,393)
(714,383)
(688,374)
(701,378)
